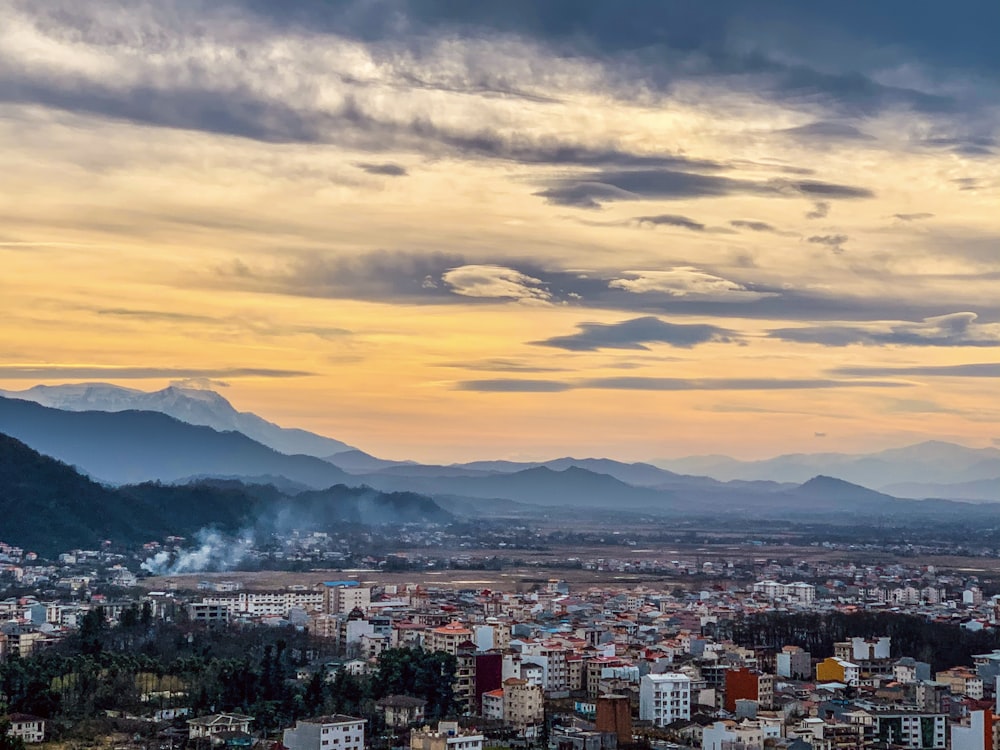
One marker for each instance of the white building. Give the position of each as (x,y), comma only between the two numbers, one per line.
(973,735)
(209,726)
(336,732)
(664,698)
(31,729)
(799,591)
(493,705)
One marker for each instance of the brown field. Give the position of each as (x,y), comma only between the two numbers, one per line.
(539,567)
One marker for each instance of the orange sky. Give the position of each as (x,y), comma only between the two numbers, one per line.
(451,241)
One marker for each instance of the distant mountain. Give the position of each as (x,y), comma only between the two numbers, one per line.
(191,405)
(49,507)
(638,474)
(356,461)
(136,446)
(340,504)
(932,462)
(536,486)
(980,490)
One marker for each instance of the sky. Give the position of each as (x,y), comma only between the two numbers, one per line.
(447,230)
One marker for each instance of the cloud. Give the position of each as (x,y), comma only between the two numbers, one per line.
(827,131)
(672,220)
(753,226)
(833,241)
(259,327)
(687,281)
(974,370)
(48,372)
(964,145)
(957,329)
(914,217)
(387,169)
(501,365)
(593,189)
(495,282)
(820,210)
(156,315)
(379,275)
(509,385)
(199,384)
(636,333)
(668,384)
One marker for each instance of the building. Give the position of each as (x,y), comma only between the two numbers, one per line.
(833,669)
(209,613)
(961,681)
(335,732)
(794,663)
(492,701)
(209,726)
(582,739)
(341,597)
(401,710)
(877,649)
(447,638)
(664,698)
(523,705)
(30,729)
(750,685)
(909,671)
(978,734)
(447,736)
(799,591)
(915,731)
(614,716)
(724,735)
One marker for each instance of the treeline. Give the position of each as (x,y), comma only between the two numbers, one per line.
(941,644)
(143,665)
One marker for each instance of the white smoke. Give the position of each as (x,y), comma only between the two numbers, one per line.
(214,552)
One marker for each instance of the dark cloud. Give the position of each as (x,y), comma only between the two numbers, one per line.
(387,169)
(378,275)
(415,277)
(591,190)
(956,329)
(658,44)
(975,370)
(636,333)
(753,226)
(672,220)
(246,113)
(833,241)
(668,384)
(770,49)
(684,24)
(970,145)
(828,131)
(48,372)
(967,183)
(820,210)
(914,217)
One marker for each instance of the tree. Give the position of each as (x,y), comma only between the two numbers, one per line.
(8,741)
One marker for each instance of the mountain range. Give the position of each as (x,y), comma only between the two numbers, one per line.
(121,435)
(930,469)
(49,507)
(192,405)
